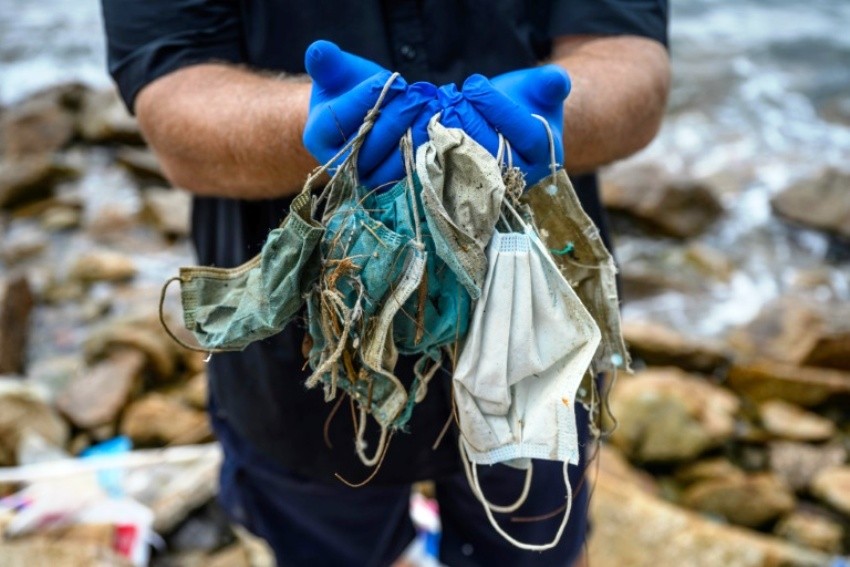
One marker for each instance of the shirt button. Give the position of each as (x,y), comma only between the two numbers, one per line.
(408,52)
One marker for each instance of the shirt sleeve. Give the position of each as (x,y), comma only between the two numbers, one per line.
(147,39)
(646,18)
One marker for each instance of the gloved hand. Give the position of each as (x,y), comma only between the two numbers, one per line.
(508,102)
(456,111)
(345,88)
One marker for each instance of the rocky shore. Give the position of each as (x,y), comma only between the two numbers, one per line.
(728,451)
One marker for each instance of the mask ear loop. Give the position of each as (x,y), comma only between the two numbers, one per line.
(469,467)
(208,351)
(476,489)
(553,165)
(354,145)
(360,441)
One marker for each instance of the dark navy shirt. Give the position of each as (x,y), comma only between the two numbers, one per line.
(260,391)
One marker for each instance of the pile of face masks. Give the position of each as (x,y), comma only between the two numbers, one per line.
(455,258)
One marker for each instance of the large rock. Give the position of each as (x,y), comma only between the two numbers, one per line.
(651,267)
(43,552)
(748,500)
(141,162)
(798,330)
(160,420)
(815,531)
(40,125)
(832,485)
(142,335)
(659,345)
(797,464)
(16,303)
(788,421)
(762,380)
(169,210)
(97,395)
(22,244)
(103,118)
(102,265)
(23,412)
(667,415)
(196,391)
(708,470)
(820,202)
(635,529)
(30,179)
(675,207)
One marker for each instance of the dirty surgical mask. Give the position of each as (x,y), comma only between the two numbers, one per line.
(356,297)
(529,345)
(227,309)
(438,313)
(577,248)
(462,191)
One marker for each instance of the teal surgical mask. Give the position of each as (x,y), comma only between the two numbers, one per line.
(227,309)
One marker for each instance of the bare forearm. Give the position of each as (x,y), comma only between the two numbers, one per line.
(619,91)
(226,131)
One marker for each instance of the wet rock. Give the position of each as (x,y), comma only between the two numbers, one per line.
(232,556)
(668,415)
(708,470)
(798,330)
(257,550)
(636,529)
(653,266)
(53,374)
(21,412)
(820,202)
(832,486)
(60,218)
(710,261)
(39,125)
(746,500)
(640,281)
(141,162)
(675,207)
(103,118)
(112,221)
(195,392)
(617,466)
(22,244)
(168,210)
(58,291)
(140,335)
(659,345)
(206,529)
(16,303)
(797,464)
(811,530)
(762,380)
(787,421)
(30,179)
(159,420)
(97,395)
(102,265)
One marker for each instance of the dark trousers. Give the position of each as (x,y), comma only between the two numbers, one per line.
(314,524)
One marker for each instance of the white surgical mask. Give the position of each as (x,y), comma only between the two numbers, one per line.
(530,343)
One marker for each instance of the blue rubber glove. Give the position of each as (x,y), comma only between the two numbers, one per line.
(458,112)
(508,102)
(345,88)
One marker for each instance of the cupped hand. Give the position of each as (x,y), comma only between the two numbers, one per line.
(345,88)
(508,102)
